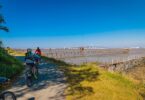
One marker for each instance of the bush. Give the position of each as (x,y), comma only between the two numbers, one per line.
(9,66)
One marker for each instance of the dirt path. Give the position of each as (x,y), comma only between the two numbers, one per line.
(49,86)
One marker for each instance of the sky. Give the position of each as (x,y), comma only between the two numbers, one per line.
(73,23)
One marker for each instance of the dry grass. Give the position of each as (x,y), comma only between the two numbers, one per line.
(102,85)
(90,82)
(138,74)
(14,53)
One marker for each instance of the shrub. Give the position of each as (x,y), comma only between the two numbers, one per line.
(9,66)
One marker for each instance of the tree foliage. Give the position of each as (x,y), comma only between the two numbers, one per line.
(2,27)
(2,22)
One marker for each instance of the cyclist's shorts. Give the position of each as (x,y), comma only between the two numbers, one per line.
(30,64)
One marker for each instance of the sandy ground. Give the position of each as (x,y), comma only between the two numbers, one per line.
(49,86)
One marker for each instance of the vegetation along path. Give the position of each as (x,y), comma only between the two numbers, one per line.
(49,86)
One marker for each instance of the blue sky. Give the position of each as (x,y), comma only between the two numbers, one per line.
(72,23)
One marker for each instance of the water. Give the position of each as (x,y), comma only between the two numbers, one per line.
(106,56)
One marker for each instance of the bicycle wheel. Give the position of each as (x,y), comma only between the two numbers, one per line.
(29,82)
(8,95)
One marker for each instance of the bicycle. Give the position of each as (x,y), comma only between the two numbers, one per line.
(31,74)
(6,95)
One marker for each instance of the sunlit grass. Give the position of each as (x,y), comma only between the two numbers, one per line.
(107,86)
(90,82)
(14,53)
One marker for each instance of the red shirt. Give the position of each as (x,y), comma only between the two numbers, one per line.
(38,52)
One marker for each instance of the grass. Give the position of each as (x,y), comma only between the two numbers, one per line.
(14,53)
(90,82)
(105,86)
(10,67)
(138,73)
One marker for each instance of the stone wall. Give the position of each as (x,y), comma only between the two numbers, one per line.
(123,66)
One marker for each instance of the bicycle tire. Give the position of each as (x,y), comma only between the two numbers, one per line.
(29,82)
(8,92)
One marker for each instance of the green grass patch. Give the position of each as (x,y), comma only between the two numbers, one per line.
(10,67)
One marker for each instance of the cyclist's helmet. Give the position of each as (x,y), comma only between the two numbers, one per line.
(29,50)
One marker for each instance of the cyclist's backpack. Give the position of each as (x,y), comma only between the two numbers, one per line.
(29,56)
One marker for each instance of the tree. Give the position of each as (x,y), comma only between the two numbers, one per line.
(2,21)
(2,27)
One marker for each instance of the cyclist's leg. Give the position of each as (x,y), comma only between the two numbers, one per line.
(29,67)
(32,68)
(38,61)
(37,64)
(34,71)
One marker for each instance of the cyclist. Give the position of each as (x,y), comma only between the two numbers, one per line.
(38,51)
(29,59)
(37,55)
